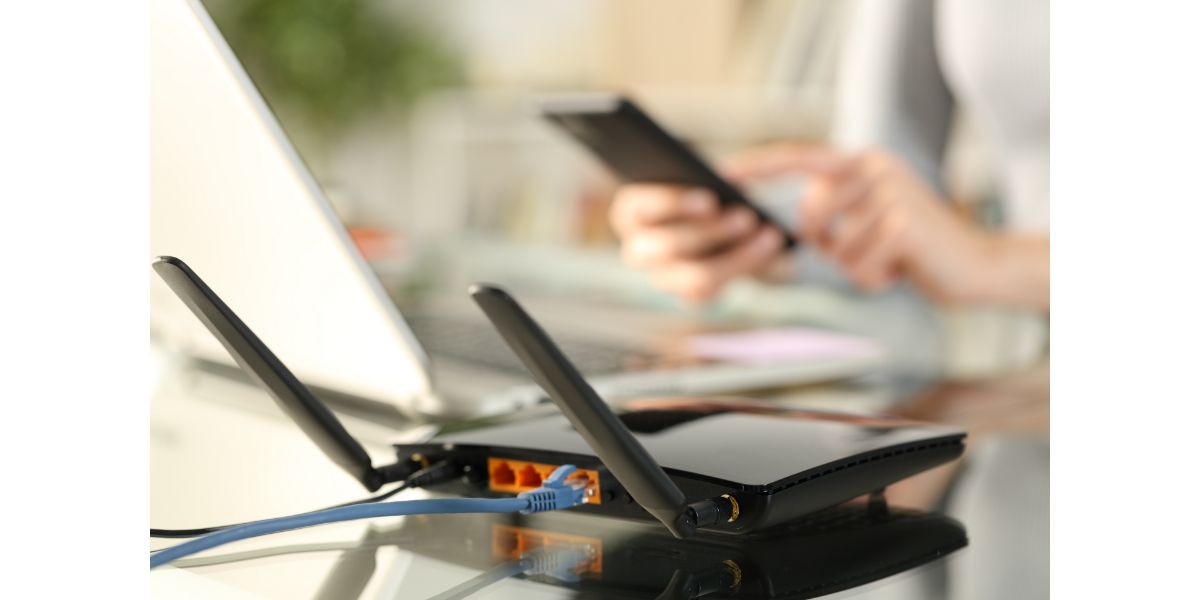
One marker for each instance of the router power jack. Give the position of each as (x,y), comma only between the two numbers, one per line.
(723,509)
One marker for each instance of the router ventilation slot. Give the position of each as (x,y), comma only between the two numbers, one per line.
(867,459)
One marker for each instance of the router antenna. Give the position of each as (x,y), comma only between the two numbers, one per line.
(261,364)
(608,437)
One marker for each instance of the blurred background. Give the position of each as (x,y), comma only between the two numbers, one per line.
(395,101)
(416,118)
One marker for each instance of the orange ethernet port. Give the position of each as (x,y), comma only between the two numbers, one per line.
(516,476)
(501,473)
(528,477)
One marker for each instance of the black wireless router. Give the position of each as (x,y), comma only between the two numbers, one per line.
(726,466)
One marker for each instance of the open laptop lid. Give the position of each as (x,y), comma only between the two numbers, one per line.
(229,192)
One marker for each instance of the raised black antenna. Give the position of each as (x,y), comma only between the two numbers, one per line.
(608,437)
(313,417)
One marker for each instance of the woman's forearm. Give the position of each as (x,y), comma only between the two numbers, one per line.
(1015,270)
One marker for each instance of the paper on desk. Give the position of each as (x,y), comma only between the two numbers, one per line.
(779,345)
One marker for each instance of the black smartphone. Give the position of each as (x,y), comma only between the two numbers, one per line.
(638,150)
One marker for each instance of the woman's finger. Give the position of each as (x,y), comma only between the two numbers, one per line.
(858,225)
(781,158)
(830,196)
(700,280)
(878,263)
(685,240)
(640,205)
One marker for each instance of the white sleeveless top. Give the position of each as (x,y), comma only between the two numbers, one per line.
(908,65)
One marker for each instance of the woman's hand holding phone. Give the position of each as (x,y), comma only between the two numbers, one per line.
(694,233)
(867,212)
(690,246)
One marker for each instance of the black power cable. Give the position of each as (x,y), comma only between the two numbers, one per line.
(434,473)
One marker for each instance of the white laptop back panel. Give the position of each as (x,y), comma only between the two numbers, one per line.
(230,196)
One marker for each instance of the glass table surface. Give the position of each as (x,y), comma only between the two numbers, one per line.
(975,529)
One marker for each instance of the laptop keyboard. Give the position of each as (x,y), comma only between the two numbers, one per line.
(477,343)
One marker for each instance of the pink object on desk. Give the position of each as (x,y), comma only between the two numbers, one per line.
(791,344)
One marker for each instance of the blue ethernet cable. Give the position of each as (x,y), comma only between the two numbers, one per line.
(555,494)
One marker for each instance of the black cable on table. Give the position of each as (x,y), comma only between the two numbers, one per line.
(437,472)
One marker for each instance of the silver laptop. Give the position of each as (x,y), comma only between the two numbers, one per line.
(230,195)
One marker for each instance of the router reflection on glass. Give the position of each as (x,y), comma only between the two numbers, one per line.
(722,466)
